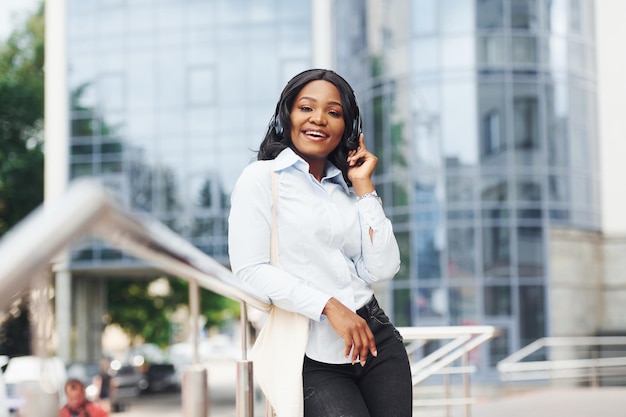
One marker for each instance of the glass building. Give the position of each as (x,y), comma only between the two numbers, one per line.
(484,117)
(169,98)
(482,114)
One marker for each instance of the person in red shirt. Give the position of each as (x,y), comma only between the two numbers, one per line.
(77,404)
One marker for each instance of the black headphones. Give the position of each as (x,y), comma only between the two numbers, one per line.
(357,126)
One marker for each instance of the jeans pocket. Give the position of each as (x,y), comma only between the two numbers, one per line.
(380,321)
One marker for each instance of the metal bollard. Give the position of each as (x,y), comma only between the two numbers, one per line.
(245,389)
(195,392)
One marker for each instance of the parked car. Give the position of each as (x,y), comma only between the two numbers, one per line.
(127,383)
(162,377)
(4,408)
(24,375)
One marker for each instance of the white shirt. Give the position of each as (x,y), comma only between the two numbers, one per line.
(324,244)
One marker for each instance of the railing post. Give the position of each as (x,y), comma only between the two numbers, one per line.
(195,396)
(245,384)
(195,380)
(466,386)
(446,385)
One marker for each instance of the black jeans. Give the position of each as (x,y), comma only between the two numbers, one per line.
(382,388)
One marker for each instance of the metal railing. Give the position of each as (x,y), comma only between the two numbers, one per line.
(578,358)
(33,248)
(461,340)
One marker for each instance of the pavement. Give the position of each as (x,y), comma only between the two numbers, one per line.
(556,402)
(544,402)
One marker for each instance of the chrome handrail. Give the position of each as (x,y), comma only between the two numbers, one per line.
(87,208)
(461,341)
(515,367)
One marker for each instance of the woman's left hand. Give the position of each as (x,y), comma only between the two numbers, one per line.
(361,164)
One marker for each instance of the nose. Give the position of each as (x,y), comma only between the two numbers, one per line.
(318,117)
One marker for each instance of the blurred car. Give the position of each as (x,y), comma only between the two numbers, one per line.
(25,374)
(127,383)
(162,377)
(4,408)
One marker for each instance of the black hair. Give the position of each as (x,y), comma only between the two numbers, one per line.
(278,135)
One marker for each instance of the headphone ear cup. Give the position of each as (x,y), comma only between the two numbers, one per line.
(278,128)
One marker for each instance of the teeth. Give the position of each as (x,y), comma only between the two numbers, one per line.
(313,133)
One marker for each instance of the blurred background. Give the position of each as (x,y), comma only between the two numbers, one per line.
(498,125)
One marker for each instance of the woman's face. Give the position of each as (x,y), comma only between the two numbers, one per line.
(316,120)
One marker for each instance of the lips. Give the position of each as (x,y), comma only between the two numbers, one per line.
(315,134)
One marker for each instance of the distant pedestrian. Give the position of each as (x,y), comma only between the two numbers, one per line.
(104,382)
(77,404)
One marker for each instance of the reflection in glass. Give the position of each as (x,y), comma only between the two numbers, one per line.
(526,124)
(463,306)
(460,188)
(490,14)
(524,14)
(528,188)
(431,302)
(492,114)
(458,126)
(461,252)
(423,16)
(532,319)
(494,189)
(524,50)
(497,251)
(499,347)
(492,50)
(402,307)
(556,15)
(428,254)
(497,300)
(457,52)
(459,15)
(425,55)
(530,252)
(200,86)
(404,244)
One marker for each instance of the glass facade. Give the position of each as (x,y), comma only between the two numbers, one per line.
(170,98)
(484,117)
(482,114)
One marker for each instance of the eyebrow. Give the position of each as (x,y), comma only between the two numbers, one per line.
(335,103)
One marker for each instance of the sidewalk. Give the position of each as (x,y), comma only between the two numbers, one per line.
(557,402)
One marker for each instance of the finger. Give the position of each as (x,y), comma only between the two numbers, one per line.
(347,347)
(368,345)
(362,143)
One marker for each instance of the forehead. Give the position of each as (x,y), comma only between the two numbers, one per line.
(320,90)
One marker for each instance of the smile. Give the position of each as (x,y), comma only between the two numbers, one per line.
(315,134)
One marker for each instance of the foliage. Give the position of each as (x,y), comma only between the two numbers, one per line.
(21,115)
(146,315)
(21,156)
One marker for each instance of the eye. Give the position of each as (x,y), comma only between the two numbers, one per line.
(305,108)
(335,113)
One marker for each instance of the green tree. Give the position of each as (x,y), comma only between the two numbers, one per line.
(21,116)
(140,313)
(21,156)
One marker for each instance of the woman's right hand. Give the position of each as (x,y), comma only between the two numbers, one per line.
(354,331)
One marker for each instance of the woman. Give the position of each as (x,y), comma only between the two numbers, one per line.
(334,243)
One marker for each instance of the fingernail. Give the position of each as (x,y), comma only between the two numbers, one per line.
(375,353)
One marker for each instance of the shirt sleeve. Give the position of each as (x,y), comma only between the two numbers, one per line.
(249,229)
(380,259)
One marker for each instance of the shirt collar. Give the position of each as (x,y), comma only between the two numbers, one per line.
(288,158)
